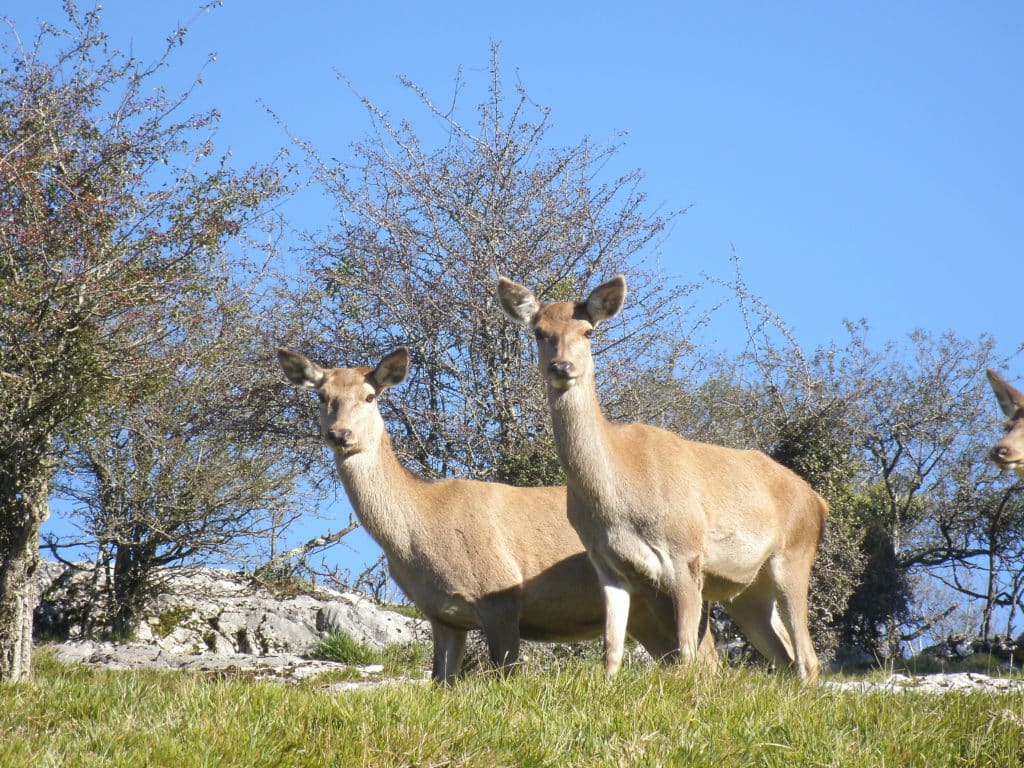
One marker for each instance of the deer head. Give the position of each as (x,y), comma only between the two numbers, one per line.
(563,329)
(350,420)
(1008,453)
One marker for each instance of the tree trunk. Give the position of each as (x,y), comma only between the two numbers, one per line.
(20,521)
(128,590)
(990,596)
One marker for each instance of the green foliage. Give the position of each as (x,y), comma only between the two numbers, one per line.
(881,599)
(530,463)
(816,446)
(570,717)
(980,663)
(837,573)
(131,322)
(170,620)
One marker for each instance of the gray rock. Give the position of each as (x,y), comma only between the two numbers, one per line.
(362,619)
(220,612)
(958,682)
(283,667)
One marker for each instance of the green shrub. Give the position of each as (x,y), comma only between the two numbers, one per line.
(168,621)
(409,659)
(345,649)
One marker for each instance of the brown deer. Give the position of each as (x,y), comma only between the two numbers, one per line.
(1008,453)
(662,515)
(468,554)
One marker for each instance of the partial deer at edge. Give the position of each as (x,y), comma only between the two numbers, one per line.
(663,515)
(468,554)
(1008,453)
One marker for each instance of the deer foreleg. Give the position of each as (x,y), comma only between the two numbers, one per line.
(499,617)
(449,647)
(616,606)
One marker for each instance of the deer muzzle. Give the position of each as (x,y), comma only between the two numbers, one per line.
(340,438)
(1004,457)
(561,374)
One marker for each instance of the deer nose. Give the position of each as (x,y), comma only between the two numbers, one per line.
(561,368)
(1000,452)
(340,437)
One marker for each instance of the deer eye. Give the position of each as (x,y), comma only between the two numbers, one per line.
(589,333)
(370,398)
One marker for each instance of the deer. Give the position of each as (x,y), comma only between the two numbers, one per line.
(1008,453)
(661,515)
(468,554)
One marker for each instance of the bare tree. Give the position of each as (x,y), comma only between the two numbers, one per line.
(424,228)
(979,537)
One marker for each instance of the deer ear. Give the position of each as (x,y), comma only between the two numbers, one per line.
(299,370)
(518,302)
(1010,399)
(391,370)
(606,300)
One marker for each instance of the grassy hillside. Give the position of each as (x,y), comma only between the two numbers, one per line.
(75,716)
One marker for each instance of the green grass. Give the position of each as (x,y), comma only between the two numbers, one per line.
(571,716)
(410,660)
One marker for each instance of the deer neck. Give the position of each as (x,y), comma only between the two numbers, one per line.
(382,493)
(582,439)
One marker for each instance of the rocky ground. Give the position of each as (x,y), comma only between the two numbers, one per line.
(955,682)
(224,624)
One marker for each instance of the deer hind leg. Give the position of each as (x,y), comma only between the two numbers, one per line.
(652,622)
(754,613)
(449,648)
(791,602)
(707,653)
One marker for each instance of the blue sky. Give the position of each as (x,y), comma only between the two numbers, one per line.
(864,159)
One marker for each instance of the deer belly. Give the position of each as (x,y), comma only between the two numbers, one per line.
(435,601)
(723,588)
(731,562)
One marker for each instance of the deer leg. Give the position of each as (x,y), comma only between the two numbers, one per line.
(707,652)
(754,613)
(449,647)
(792,610)
(689,582)
(499,617)
(616,609)
(652,621)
